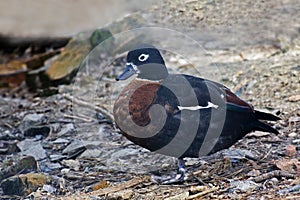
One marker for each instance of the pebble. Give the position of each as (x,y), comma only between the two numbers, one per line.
(65,171)
(244,186)
(75,148)
(91,153)
(24,164)
(290,150)
(49,189)
(294,119)
(9,147)
(124,194)
(180,196)
(54,166)
(296,141)
(292,135)
(24,184)
(72,164)
(37,130)
(253,172)
(67,129)
(32,148)
(34,118)
(60,141)
(294,98)
(56,157)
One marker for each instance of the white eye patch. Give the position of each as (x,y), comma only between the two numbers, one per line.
(143,57)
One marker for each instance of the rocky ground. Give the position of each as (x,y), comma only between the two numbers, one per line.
(65,145)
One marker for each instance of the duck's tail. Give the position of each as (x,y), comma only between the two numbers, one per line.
(260,126)
(265,116)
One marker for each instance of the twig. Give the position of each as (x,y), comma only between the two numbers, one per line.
(276,173)
(203,193)
(234,173)
(295,188)
(121,186)
(267,154)
(78,117)
(88,105)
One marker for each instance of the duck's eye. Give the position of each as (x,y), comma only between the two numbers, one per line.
(143,57)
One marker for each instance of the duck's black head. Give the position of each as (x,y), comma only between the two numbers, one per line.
(147,62)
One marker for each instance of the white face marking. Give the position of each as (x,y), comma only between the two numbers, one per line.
(210,105)
(222,96)
(134,67)
(143,57)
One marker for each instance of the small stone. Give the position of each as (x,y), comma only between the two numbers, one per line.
(91,153)
(37,130)
(258,134)
(67,129)
(75,148)
(294,119)
(49,189)
(198,188)
(24,164)
(24,184)
(180,196)
(65,171)
(54,166)
(124,194)
(253,173)
(32,148)
(57,157)
(9,147)
(165,166)
(72,164)
(60,141)
(100,185)
(192,162)
(290,150)
(244,186)
(292,135)
(294,98)
(34,118)
(296,141)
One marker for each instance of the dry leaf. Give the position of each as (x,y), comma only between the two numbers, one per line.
(289,165)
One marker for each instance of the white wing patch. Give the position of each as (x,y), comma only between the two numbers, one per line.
(209,105)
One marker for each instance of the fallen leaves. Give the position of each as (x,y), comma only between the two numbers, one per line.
(289,165)
(121,186)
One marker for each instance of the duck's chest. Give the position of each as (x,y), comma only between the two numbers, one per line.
(134,102)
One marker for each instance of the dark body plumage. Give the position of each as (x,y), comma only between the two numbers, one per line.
(208,105)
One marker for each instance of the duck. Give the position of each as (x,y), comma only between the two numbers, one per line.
(180,115)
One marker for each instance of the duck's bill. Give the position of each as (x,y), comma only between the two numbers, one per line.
(128,72)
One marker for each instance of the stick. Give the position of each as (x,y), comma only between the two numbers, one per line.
(276,173)
(203,193)
(88,105)
(121,186)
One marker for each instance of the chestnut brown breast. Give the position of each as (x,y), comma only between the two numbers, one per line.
(134,102)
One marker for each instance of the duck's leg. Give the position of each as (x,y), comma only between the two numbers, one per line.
(180,176)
